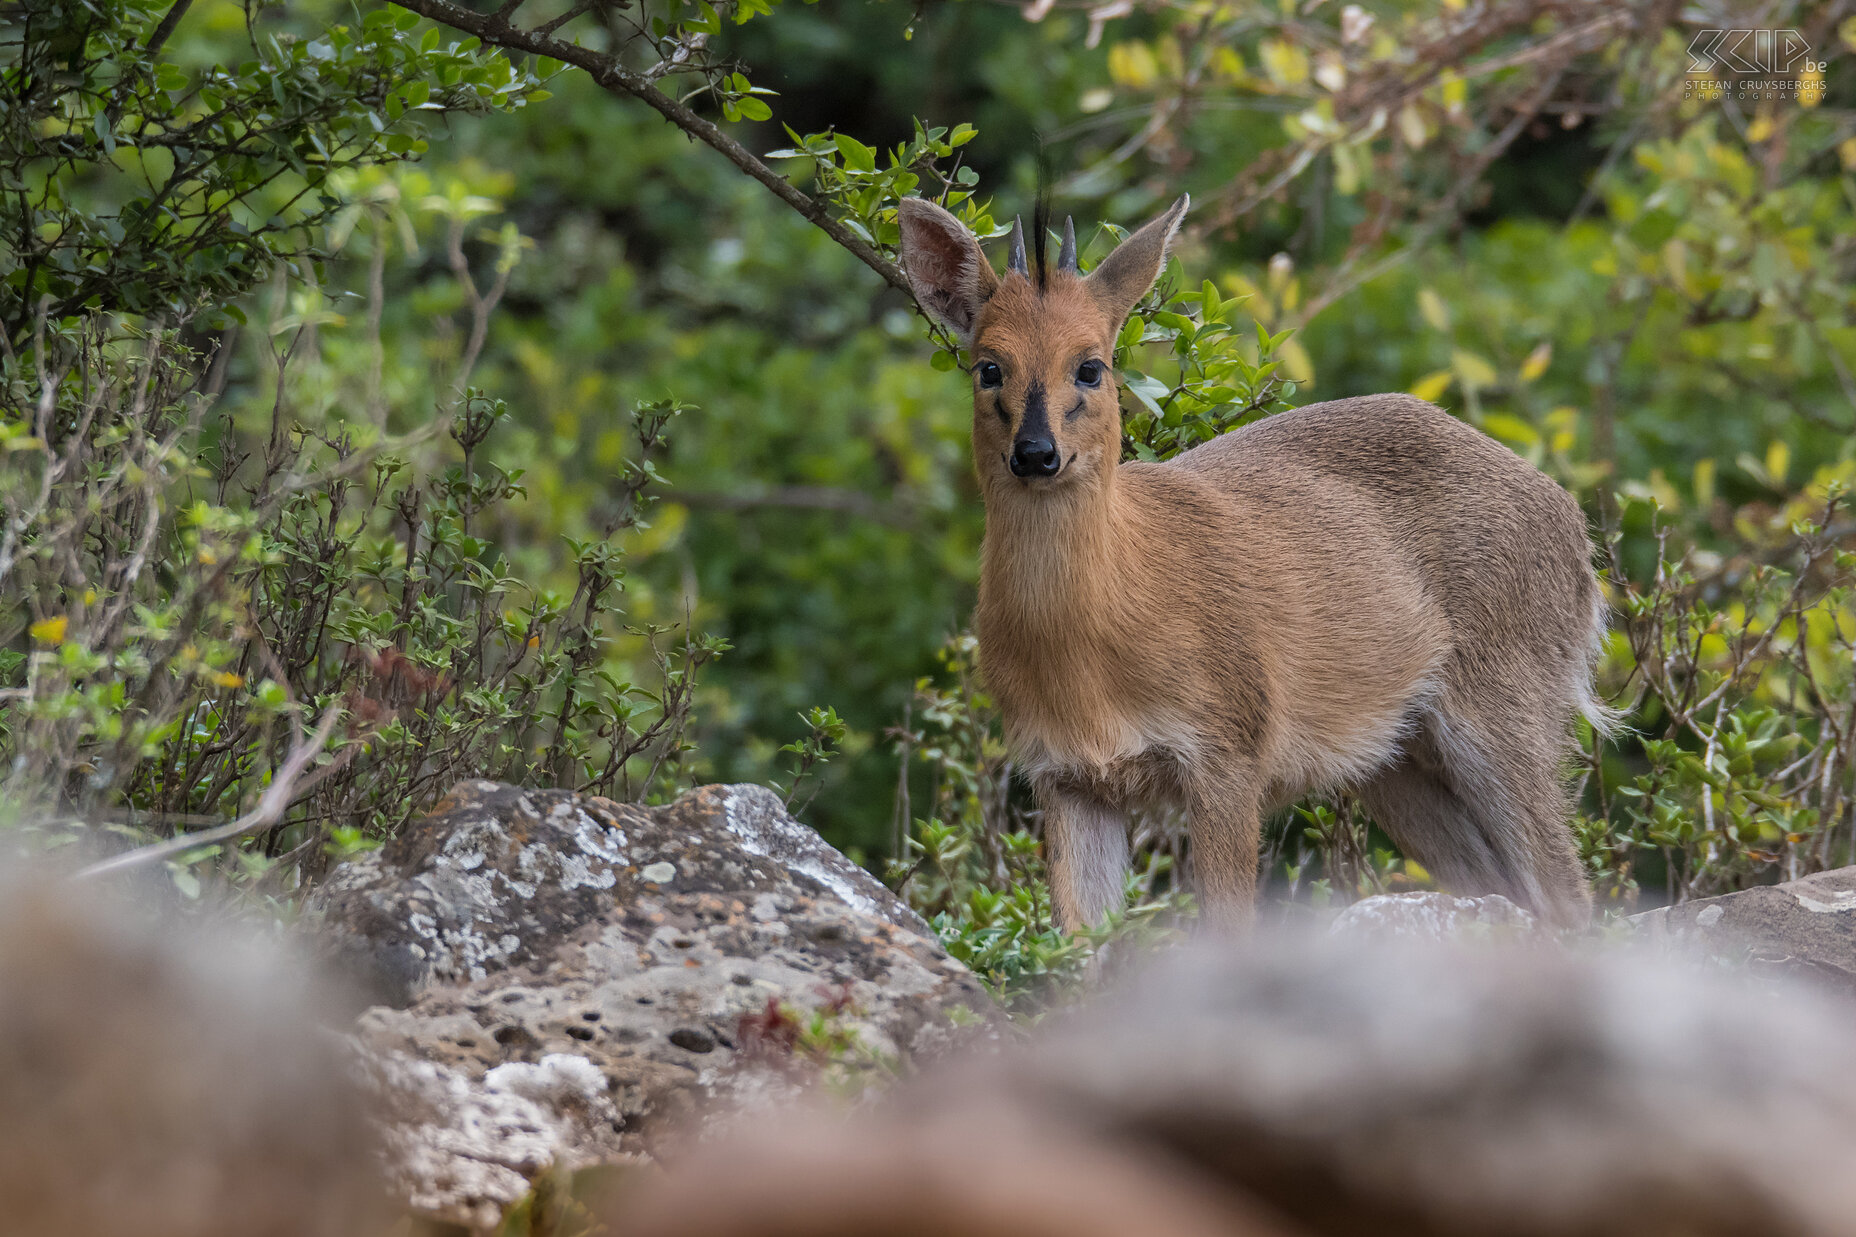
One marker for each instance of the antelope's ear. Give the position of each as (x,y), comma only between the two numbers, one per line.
(1125,275)
(950,276)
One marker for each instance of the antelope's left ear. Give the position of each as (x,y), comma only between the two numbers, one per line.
(1124,276)
(950,276)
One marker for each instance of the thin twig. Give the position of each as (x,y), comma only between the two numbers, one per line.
(276,800)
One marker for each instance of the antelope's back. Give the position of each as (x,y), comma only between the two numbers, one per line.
(1497,543)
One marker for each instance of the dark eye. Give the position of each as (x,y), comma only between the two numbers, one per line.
(1089,374)
(990,375)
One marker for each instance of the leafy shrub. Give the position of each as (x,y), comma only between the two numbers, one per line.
(1737,674)
(181,646)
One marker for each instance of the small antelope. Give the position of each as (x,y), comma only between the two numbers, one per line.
(1364,594)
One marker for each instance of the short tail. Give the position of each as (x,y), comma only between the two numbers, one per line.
(1604,720)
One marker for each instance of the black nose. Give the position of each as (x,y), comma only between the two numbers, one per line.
(1035,457)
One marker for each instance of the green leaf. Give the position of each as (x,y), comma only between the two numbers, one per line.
(856,154)
(1149,390)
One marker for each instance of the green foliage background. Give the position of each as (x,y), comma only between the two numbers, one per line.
(1644,289)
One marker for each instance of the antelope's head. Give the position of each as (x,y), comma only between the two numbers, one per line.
(1045,411)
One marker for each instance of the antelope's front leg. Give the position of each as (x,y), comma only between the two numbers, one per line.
(1226,828)
(1086,849)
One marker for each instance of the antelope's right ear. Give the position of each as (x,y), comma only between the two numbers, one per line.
(1122,278)
(950,276)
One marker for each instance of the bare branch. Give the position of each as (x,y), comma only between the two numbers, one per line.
(166,28)
(284,789)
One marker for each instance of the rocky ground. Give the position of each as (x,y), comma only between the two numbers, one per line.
(559,980)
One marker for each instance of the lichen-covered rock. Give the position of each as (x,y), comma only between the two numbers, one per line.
(1430,916)
(496,876)
(1806,926)
(558,972)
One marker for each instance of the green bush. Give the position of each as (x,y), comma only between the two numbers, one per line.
(274,617)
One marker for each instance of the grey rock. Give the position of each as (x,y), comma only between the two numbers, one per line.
(558,974)
(1806,926)
(496,877)
(1430,916)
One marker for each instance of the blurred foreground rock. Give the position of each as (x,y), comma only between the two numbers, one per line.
(560,972)
(161,1078)
(1802,927)
(1335,1086)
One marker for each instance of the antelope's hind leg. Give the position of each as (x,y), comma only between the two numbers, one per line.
(1486,815)
(1086,850)
(1419,810)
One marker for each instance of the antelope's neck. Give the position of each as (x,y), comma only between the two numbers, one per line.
(1053,565)
(1061,595)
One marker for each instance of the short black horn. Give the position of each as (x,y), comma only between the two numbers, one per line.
(1015,252)
(1066,256)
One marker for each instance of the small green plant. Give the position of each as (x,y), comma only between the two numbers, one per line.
(1333,836)
(823,1039)
(825,732)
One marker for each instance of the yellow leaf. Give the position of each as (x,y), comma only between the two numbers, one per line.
(1132,64)
(1675,262)
(1704,483)
(1564,424)
(1411,127)
(1296,365)
(1417,872)
(1761,128)
(1286,63)
(1667,497)
(1472,370)
(225,678)
(1811,88)
(1433,308)
(1430,387)
(1514,429)
(1846,151)
(1346,171)
(51,630)
(1455,91)
(1536,363)
(1778,462)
